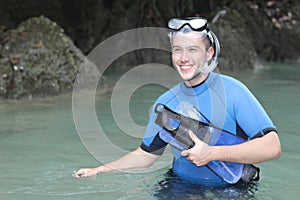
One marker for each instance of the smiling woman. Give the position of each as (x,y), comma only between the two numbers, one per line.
(215,96)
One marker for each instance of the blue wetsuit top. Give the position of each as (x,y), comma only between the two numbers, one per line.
(224,101)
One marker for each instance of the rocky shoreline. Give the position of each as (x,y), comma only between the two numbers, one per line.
(38,56)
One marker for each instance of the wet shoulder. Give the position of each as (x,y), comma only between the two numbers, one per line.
(230,84)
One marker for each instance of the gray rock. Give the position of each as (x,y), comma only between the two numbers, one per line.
(38,59)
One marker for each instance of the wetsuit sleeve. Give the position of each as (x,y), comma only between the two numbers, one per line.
(251,116)
(152,143)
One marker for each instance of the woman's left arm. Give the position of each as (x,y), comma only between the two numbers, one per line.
(253,151)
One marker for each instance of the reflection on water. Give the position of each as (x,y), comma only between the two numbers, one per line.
(40,148)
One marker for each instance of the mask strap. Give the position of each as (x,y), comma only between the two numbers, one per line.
(214,62)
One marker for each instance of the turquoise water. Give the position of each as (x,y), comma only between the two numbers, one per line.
(40,148)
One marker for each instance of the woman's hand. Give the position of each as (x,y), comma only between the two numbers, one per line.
(85,172)
(200,153)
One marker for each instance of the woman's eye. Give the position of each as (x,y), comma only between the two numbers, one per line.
(176,50)
(192,50)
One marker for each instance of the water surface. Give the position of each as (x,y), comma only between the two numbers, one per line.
(40,148)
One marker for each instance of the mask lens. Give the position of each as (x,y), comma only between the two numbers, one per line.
(194,23)
(197,23)
(176,24)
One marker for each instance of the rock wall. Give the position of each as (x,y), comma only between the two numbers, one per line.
(38,59)
(269,24)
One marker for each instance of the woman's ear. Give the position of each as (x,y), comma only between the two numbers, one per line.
(210,53)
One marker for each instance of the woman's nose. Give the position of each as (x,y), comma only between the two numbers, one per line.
(184,57)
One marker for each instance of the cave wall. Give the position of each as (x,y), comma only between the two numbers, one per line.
(271,27)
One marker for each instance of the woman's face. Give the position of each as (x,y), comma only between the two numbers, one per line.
(188,56)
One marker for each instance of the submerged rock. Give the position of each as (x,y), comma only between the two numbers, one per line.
(37,59)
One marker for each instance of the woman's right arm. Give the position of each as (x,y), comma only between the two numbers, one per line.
(135,159)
